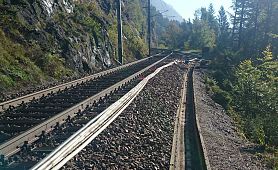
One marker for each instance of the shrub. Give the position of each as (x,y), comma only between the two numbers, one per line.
(219,96)
(15,67)
(53,65)
(6,81)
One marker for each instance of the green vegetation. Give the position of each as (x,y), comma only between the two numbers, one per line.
(220,96)
(24,60)
(134,26)
(249,93)
(35,48)
(255,88)
(188,35)
(134,44)
(15,67)
(244,69)
(53,65)
(135,12)
(87,19)
(113,34)
(134,29)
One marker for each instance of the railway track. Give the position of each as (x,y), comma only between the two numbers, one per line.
(85,135)
(31,154)
(32,121)
(63,141)
(42,93)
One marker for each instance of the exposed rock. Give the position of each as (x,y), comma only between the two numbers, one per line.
(79,35)
(58,29)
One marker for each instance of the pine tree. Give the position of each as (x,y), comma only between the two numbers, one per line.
(239,21)
(212,21)
(254,24)
(223,24)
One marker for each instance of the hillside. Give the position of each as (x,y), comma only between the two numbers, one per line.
(51,40)
(171,13)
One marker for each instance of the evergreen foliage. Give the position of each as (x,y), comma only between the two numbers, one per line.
(224,32)
(244,69)
(257,99)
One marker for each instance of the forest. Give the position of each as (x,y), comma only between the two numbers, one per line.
(243,74)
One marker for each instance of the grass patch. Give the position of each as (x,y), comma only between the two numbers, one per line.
(15,67)
(54,66)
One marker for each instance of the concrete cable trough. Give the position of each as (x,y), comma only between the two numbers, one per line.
(178,146)
(188,150)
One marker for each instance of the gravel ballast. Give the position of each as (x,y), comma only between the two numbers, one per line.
(225,148)
(141,137)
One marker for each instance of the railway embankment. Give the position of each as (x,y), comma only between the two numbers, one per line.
(224,146)
(141,137)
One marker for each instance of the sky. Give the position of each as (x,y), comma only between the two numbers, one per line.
(186,8)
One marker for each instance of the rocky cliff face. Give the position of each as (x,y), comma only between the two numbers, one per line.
(60,28)
(46,39)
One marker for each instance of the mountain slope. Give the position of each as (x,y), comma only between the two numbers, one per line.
(172,14)
(49,39)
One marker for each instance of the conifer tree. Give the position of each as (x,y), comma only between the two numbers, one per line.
(223,24)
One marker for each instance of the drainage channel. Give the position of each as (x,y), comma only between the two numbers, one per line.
(194,152)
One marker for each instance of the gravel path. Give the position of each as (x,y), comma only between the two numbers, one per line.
(141,137)
(226,150)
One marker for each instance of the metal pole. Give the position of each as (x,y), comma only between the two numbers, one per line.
(120,32)
(149,26)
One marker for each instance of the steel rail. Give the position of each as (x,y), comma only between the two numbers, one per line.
(85,135)
(13,145)
(27,98)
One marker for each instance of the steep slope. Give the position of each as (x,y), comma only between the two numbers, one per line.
(46,39)
(171,13)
